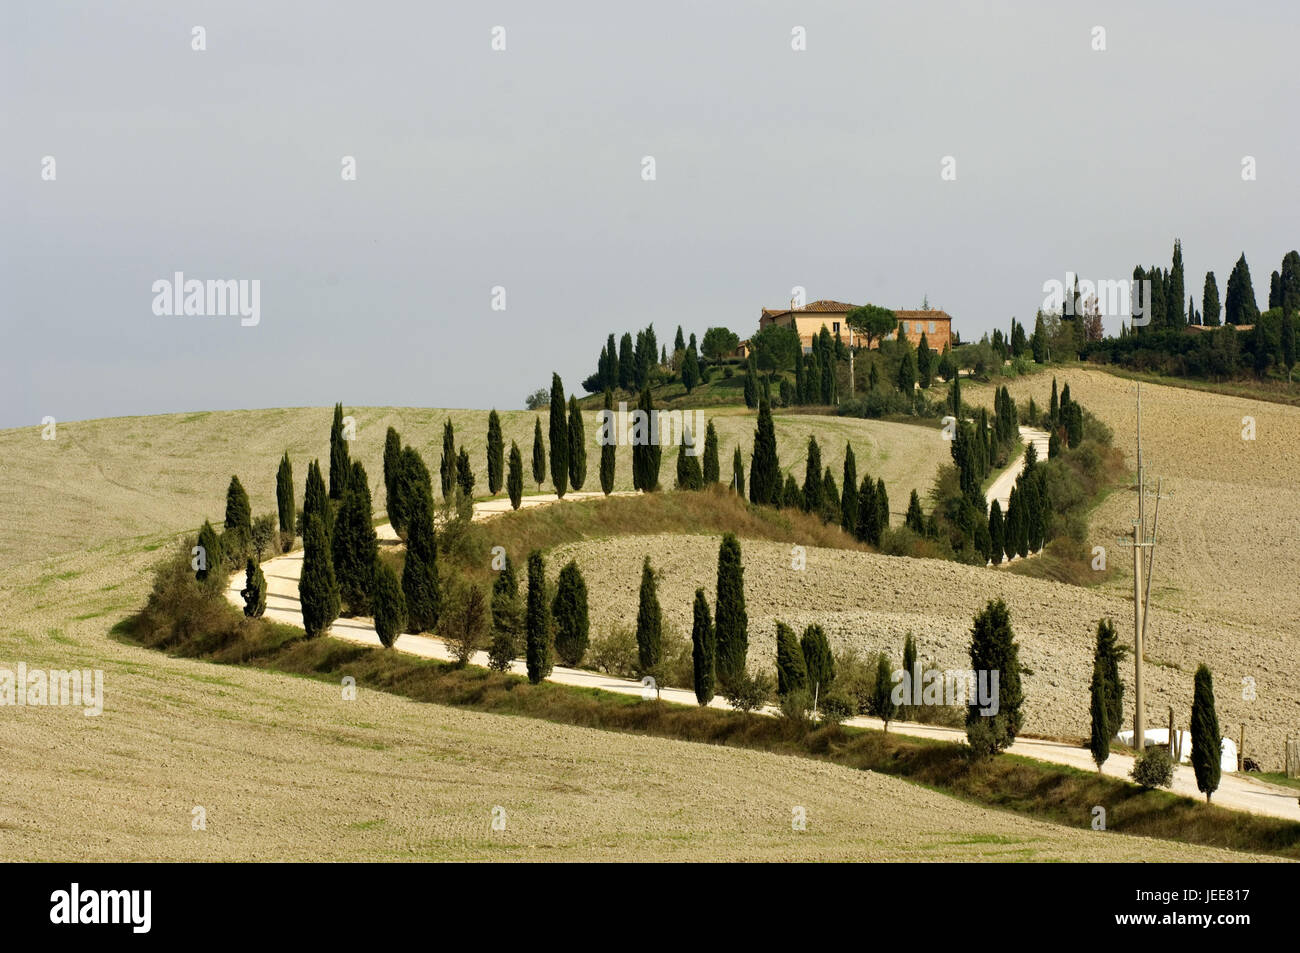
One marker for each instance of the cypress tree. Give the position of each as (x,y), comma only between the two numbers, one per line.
(689,476)
(577,447)
(830,503)
(646,451)
(791,670)
(1035,517)
(884,690)
(537,620)
(284,502)
(496,454)
(790,498)
(254,591)
(882,506)
(906,370)
(1175,290)
(239,514)
(210,543)
(392,467)
(421,587)
(690,371)
(764,467)
(738,472)
(818,661)
(1099,742)
(1239,306)
(1210,307)
(997,537)
(993,649)
(649,623)
(559,434)
(1274,290)
(704,649)
(626,363)
(539,454)
(812,477)
(464,474)
(315,501)
(800,381)
(909,666)
(915,519)
(751,384)
(354,545)
(607,459)
(1038,342)
(569,611)
(1054,408)
(732,622)
(515,476)
(1207,744)
(849,495)
(868,527)
(339,464)
(925,362)
(447,466)
(389,606)
(1108,655)
(711,469)
(318,593)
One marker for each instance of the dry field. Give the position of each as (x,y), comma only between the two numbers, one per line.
(1224,590)
(285,769)
(136,478)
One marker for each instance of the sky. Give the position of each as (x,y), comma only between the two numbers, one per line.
(522,168)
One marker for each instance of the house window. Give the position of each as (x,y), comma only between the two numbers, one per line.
(905,327)
(931,327)
(835,328)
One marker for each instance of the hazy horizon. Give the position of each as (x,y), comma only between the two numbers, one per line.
(522,168)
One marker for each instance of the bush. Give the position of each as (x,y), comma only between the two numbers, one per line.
(615,653)
(464,621)
(502,651)
(1153,768)
(796,709)
(749,692)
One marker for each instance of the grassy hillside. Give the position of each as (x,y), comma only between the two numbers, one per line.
(145,478)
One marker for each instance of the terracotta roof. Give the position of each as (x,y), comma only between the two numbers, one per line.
(837,307)
(932,315)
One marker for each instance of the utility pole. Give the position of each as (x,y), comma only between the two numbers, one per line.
(1143,556)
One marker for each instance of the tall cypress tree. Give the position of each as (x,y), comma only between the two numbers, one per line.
(732,622)
(1207,743)
(1108,655)
(818,660)
(882,505)
(413,484)
(389,606)
(791,670)
(738,472)
(704,649)
(421,587)
(392,466)
(210,570)
(354,545)
(318,593)
(559,434)
(539,454)
(997,539)
(764,467)
(1099,742)
(239,513)
(447,466)
(914,518)
(646,450)
(711,469)
(569,610)
(626,363)
(849,495)
(751,384)
(868,527)
(284,501)
(909,666)
(339,472)
(464,474)
(515,477)
(1175,289)
(993,649)
(812,477)
(690,371)
(607,447)
(649,623)
(315,501)
(537,621)
(577,447)
(1239,305)
(254,591)
(496,453)
(1210,301)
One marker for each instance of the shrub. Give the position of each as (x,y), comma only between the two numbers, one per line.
(389,605)
(615,652)
(463,621)
(254,591)
(1153,768)
(747,692)
(570,613)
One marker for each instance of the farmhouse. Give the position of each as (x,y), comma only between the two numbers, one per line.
(810,319)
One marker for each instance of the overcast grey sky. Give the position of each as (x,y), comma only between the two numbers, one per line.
(522,168)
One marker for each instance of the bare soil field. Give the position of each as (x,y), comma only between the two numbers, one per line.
(285,769)
(141,477)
